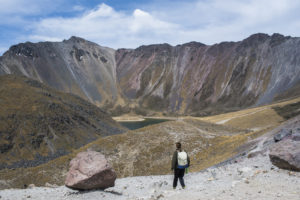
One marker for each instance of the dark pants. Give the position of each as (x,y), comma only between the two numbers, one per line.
(178,173)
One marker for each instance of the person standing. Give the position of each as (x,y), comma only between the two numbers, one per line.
(180,161)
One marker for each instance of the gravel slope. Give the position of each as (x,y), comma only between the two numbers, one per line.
(245,178)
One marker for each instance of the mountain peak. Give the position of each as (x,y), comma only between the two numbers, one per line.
(261,37)
(193,44)
(75,39)
(25,49)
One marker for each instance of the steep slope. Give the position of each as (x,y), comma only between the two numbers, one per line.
(39,124)
(192,78)
(75,65)
(199,79)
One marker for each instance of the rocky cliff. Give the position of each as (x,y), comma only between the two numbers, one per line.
(192,78)
(38,123)
(76,66)
(200,79)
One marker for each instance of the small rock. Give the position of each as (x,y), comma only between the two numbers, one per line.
(28,196)
(113,191)
(296,137)
(292,173)
(256,172)
(255,153)
(210,179)
(278,195)
(31,186)
(161,196)
(51,185)
(244,170)
(234,183)
(259,192)
(282,134)
(247,181)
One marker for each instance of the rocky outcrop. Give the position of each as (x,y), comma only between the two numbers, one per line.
(191,78)
(90,170)
(296,136)
(282,134)
(286,154)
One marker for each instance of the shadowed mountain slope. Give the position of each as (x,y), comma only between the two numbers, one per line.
(39,124)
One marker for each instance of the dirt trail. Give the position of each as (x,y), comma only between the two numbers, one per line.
(241,115)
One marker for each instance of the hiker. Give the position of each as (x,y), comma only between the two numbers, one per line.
(180,162)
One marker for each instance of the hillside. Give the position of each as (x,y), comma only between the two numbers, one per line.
(39,124)
(243,177)
(147,151)
(188,79)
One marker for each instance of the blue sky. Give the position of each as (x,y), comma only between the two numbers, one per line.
(131,23)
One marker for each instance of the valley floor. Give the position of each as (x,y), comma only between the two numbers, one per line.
(245,178)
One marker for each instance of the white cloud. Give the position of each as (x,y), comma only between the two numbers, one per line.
(78,8)
(107,27)
(207,21)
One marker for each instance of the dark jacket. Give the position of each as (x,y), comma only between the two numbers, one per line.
(175,160)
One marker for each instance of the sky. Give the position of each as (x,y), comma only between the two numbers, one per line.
(132,23)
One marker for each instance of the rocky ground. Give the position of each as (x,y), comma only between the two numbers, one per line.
(244,178)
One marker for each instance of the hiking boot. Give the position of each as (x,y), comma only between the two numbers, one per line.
(174,188)
(183,187)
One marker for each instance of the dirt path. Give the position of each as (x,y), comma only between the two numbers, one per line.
(241,115)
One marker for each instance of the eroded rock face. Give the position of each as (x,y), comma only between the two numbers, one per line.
(191,78)
(90,170)
(286,154)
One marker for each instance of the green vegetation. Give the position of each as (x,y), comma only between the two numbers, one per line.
(288,111)
(39,123)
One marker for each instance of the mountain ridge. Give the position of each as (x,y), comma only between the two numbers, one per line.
(186,79)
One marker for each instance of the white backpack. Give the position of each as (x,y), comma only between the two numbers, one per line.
(182,158)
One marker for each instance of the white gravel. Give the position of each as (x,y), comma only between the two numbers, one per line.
(253,178)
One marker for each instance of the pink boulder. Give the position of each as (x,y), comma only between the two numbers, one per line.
(90,170)
(286,154)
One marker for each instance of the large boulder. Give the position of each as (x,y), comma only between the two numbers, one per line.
(90,170)
(286,154)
